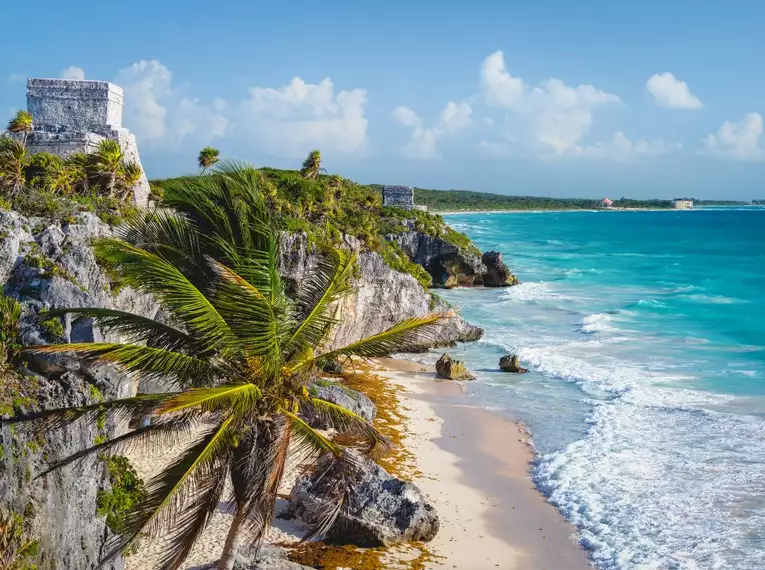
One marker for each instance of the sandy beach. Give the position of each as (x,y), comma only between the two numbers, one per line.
(475,470)
(472,464)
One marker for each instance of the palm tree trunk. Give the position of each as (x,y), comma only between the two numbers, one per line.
(233,542)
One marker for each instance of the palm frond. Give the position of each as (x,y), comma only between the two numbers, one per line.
(239,398)
(134,327)
(153,274)
(116,410)
(185,482)
(409,332)
(148,362)
(326,284)
(310,440)
(345,421)
(160,434)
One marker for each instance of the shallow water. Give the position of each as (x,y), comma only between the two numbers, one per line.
(644,334)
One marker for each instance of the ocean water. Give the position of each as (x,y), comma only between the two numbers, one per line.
(645,336)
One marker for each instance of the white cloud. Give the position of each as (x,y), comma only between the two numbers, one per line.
(622,149)
(671,93)
(73,72)
(737,141)
(293,119)
(553,116)
(161,114)
(17,78)
(422,143)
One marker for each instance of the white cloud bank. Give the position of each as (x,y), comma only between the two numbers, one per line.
(554,116)
(622,149)
(422,143)
(737,141)
(287,121)
(671,93)
(73,72)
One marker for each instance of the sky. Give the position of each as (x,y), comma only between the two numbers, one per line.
(551,98)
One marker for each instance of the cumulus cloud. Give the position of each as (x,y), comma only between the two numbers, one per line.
(671,93)
(622,149)
(737,141)
(73,72)
(287,121)
(299,116)
(554,116)
(422,143)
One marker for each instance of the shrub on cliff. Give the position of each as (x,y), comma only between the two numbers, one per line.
(241,360)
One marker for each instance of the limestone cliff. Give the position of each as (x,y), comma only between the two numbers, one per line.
(48,266)
(380,298)
(453,266)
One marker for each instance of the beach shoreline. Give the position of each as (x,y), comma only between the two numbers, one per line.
(474,466)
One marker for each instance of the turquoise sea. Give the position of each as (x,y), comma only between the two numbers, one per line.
(645,336)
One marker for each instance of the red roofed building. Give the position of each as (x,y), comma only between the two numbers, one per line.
(606,203)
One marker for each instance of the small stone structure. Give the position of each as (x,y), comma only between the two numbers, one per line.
(74,116)
(398,196)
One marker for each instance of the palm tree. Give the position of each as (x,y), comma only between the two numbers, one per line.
(240,360)
(312,165)
(14,160)
(208,157)
(21,124)
(106,163)
(79,165)
(59,177)
(129,175)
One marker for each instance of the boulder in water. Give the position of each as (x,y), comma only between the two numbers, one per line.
(509,363)
(446,367)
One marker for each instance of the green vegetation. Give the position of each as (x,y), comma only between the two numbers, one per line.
(326,207)
(17,550)
(10,341)
(21,124)
(243,356)
(463,200)
(127,492)
(48,186)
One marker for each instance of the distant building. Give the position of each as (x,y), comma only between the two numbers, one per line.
(606,203)
(398,196)
(683,204)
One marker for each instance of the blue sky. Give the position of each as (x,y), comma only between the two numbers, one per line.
(643,99)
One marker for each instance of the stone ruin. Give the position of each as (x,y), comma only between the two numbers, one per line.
(74,116)
(398,196)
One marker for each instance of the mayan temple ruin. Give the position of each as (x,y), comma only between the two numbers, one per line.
(74,116)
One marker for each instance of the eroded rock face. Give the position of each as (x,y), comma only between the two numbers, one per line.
(352,400)
(451,266)
(381,297)
(382,510)
(48,266)
(497,273)
(446,367)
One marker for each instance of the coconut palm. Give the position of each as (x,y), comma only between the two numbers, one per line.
(239,359)
(312,166)
(208,157)
(57,176)
(21,124)
(14,160)
(106,163)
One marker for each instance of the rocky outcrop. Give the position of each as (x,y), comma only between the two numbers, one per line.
(342,396)
(509,363)
(453,266)
(497,273)
(51,266)
(381,297)
(268,557)
(381,509)
(446,367)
